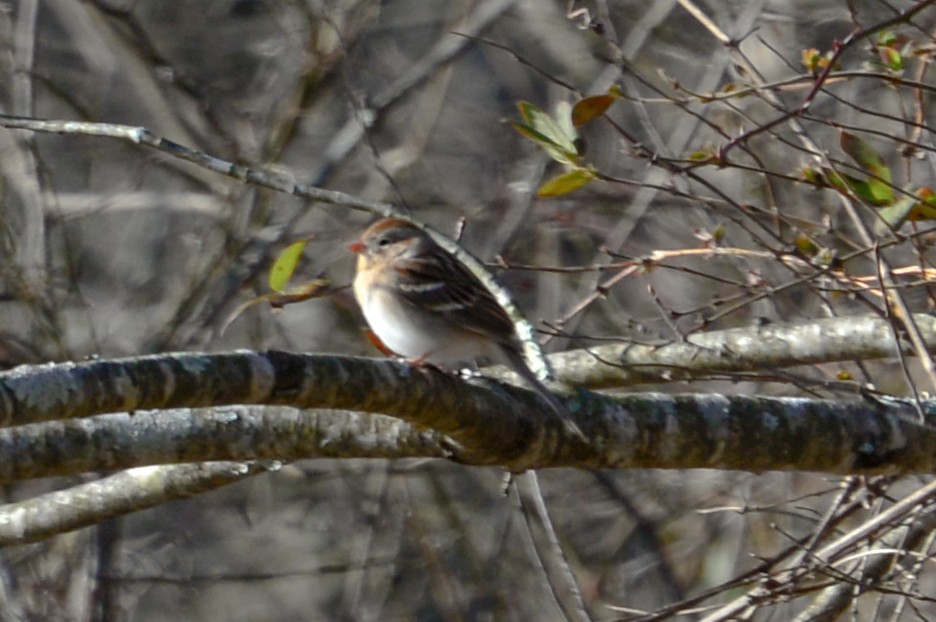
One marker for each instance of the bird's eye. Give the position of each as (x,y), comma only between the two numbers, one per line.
(382,242)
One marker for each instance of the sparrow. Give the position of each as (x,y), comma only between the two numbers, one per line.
(426,306)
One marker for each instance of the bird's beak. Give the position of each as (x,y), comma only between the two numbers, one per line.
(357,247)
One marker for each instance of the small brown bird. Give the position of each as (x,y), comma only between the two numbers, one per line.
(425,305)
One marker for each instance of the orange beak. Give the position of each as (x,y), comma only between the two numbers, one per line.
(357,247)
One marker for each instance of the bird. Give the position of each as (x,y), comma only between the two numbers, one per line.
(424,305)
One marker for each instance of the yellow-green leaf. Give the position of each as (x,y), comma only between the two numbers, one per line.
(705,154)
(718,234)
(891,49)
(892,59)
(566,183)
(813,61)
(805,246)
(285,265)
(813,176)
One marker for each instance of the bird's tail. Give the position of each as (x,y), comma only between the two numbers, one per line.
(520,367)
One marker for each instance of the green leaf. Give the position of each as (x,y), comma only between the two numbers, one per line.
(872,191)
(887,37)
(880,193)
(706,154)
(891,49)
(813,176)
(564,122)
(285,265)
(566,183)
(892,59)
(536,136)
(556,136)
(869,160)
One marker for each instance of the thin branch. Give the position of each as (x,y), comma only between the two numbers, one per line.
(87,504)
(736,350)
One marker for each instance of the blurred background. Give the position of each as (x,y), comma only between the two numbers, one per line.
(112,249)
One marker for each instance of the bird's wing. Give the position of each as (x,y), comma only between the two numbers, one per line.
(444,286)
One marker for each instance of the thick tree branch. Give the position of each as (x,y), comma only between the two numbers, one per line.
(471,412)
(636,431)
(484,422)
(639,431)
(39,393)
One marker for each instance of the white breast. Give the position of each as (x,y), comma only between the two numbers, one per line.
(412,333)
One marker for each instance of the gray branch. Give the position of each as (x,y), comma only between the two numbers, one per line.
(483,423)
(128,491)
(205,412)
(761,348)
